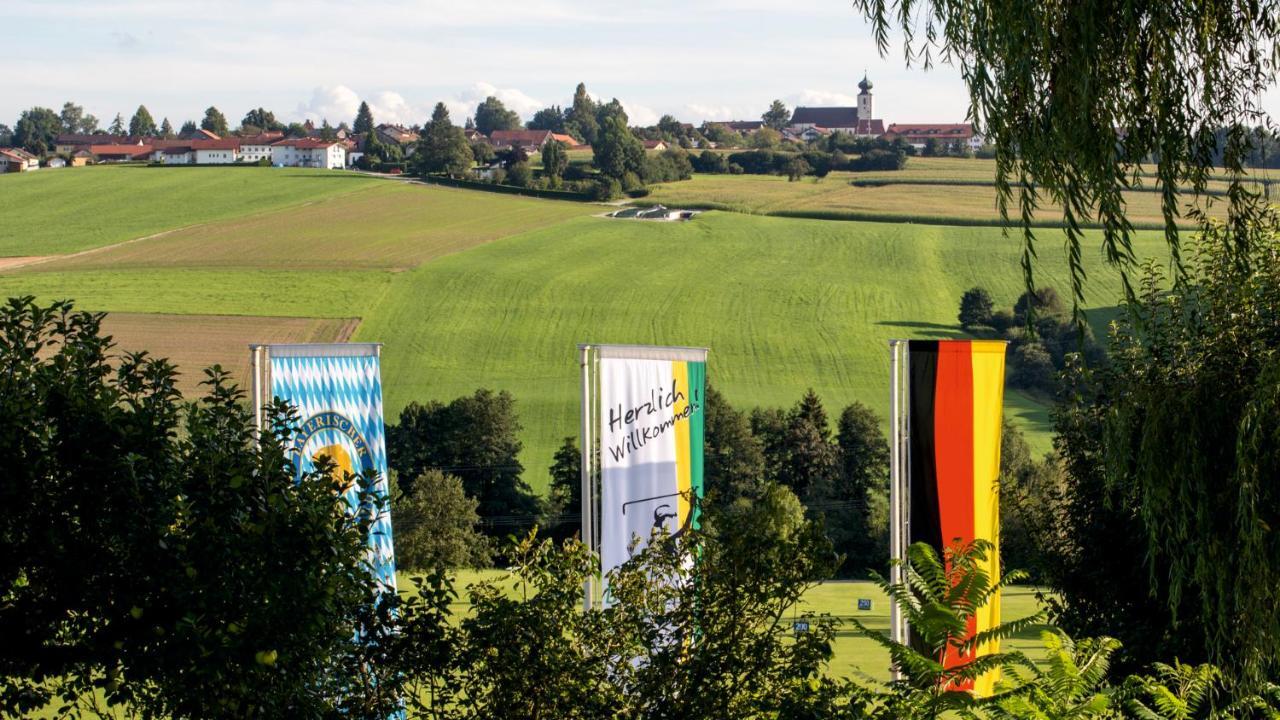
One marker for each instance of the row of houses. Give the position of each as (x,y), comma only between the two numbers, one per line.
(209,149)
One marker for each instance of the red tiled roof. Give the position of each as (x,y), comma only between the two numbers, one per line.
(87,139)
(177,150)
(524,137)
(947,131)
(231,143)
(263,138)
(306,143)
(132,151)
(10,153)
(566,139)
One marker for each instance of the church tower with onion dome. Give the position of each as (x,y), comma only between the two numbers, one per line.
(864,99)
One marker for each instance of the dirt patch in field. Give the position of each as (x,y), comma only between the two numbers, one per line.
(9,263)
(195,342)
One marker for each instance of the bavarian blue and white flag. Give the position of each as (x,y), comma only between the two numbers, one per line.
(337,390)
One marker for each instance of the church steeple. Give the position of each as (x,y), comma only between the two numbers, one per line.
(865,108)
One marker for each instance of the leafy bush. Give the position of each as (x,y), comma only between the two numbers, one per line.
(162,556)
(879,160)
(435,525)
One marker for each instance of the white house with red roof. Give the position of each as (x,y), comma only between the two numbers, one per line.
(253,148)
(309,152)
(946,134)
(18,160)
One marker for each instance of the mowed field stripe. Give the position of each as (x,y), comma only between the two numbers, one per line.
(393,226)
(196,342)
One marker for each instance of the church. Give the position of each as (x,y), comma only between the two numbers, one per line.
(859,120)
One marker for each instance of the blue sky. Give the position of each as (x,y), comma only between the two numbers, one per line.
(704,60)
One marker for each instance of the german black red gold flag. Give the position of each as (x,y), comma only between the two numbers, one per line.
(956,399)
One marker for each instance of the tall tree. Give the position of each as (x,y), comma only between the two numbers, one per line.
(436,525)
(326,131)
(214,121)
(72,116)
(442,147)
(37,130)
(364,120)
(89,125)
(777,116)
(6,135)
(580,119)
(141,124)
(261,119)
(492,115)
(1181,432)
(1075,132)
(555,159)
(617,151)
(562,512)
(476,438)
(812,457)
(188,127)
(166,129)
(117,125)
(548,118)
(733,459)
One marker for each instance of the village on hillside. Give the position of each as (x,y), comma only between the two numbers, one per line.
(307,146)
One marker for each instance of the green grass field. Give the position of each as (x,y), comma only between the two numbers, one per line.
(783,304)
(852,655)
(906,196)
(74,209)
(470,289)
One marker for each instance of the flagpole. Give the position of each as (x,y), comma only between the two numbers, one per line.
(255,377)
(588,499)
(897,484)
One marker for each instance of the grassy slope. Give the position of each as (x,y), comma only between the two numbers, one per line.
(769,194)
(783,305)
(68,210)
(392,226)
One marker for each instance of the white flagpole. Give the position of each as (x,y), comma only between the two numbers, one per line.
(255,383)
(899,495)
(588,495)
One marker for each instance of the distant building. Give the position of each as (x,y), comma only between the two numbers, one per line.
(530,140)
(56,162)
(198,134)
(68,143)
(309,152)
(18,160)
(254,148)
(858,120)
(655,145)
(122,152)
(744,127)
(81,157)
(946,134)
(396,135)
(223,151)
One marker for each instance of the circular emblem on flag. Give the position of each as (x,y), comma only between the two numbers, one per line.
(331,435)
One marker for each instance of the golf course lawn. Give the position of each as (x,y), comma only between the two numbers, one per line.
(852,654)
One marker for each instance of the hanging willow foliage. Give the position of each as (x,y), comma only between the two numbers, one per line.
(1192,435)
(1076,95)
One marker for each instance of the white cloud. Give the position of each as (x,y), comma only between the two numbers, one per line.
(639,115)
(697,112)
(336,103)
(391,107)
(463,104)
(820,98)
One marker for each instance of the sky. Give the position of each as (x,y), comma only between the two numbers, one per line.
(697,60)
